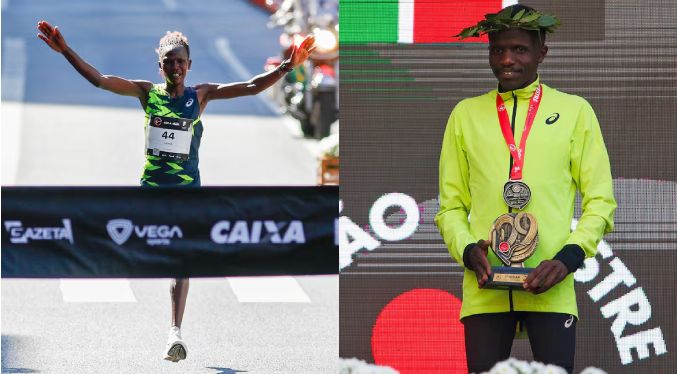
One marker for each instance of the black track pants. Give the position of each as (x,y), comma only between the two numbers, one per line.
(489,337)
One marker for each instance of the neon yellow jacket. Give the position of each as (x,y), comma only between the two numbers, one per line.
(564,151)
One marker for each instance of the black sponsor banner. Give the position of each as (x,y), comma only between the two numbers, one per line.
(168,232)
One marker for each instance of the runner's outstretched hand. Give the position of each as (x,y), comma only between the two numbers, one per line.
(52,36)
(300,54)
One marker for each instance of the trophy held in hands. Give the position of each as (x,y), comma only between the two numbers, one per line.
(513,238)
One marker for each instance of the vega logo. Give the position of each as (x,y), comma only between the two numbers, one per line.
(18,234)
(120,230)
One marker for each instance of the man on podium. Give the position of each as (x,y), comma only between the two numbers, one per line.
(511,163)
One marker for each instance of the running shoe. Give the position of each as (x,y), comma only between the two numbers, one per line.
(176,349)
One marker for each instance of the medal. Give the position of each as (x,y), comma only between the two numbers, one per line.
(516,193)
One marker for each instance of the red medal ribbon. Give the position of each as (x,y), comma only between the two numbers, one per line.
(518,153)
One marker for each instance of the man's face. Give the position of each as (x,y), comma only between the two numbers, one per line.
(514,57)
(174,63)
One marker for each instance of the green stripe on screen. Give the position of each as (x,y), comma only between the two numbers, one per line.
(370,61)
(358,53)
(363,71)
(405,79)
(401,98)
(374,21)
(407,89)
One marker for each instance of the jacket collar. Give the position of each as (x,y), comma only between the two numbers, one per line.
(521,93)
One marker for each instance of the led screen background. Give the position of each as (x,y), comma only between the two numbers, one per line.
(402,75)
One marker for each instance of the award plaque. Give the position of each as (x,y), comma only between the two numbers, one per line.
(513,238)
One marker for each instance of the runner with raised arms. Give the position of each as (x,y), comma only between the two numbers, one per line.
(173,125)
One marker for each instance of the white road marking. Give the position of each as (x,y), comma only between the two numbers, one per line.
(13,88)
(97,291)
(223,46)
(284,289)
(224,50)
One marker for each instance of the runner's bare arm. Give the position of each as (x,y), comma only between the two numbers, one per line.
(55,40)
(213,91)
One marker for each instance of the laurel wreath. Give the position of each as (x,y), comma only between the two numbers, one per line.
(527,20)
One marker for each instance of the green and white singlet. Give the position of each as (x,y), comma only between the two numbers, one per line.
(173,133)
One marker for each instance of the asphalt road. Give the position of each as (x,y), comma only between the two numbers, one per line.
(59,129)
(120,38)
(59,327)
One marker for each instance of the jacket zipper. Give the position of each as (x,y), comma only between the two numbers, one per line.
(512,127)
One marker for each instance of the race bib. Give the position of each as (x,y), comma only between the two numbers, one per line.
(169,137)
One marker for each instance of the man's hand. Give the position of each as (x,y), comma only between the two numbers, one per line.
(477,259)
(547,274)
(52,36)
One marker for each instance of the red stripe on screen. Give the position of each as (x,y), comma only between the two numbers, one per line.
(436,21)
